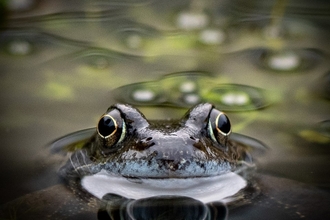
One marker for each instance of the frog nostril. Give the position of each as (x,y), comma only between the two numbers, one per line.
(149,139)
(173,166)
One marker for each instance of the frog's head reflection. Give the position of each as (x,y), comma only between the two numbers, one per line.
(159,207)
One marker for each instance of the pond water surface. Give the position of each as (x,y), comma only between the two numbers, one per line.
(265,63)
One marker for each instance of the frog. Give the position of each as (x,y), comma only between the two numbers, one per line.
(128,165)
(135,158)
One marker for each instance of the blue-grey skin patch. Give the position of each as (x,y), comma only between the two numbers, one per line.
(158,149)
(150,168)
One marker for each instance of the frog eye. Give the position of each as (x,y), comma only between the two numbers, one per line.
(111,128)
(219,126)
(107,126)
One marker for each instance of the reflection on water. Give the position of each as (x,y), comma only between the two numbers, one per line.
(265,62)
(162,207)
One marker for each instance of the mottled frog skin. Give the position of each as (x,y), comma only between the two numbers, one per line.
(127,144)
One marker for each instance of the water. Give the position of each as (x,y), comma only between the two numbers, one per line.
(63,64)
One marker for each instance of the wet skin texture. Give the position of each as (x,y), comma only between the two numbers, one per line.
(127,144)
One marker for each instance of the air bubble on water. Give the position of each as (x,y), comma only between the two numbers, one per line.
(234,98)
(188,86)
(289,60)
(284,61)
(143,95)
(191,99)
(212,36)
(187,20)
(19,47)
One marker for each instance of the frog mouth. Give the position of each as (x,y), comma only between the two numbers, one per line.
(205,189)
(161,169)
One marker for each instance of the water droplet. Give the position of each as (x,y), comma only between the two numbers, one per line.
(187,20)
(212,36)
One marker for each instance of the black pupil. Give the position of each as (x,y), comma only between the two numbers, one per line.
(224,124)
(106,126)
